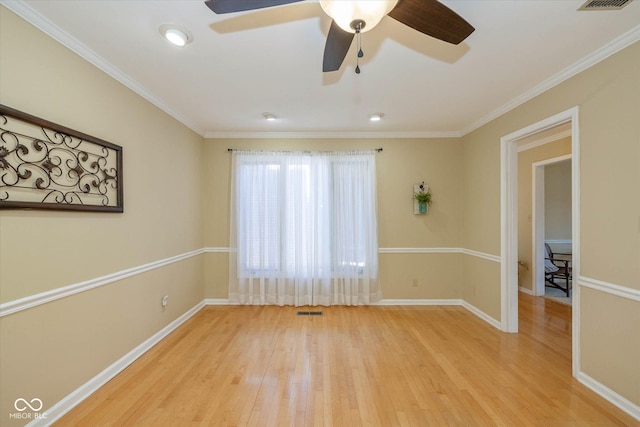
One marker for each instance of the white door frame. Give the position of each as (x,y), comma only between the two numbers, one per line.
(509,221)
(537,221)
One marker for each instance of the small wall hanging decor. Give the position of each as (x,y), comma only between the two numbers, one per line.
(421,199)
(47,166)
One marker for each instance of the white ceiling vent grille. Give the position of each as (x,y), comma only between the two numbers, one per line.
(604,4)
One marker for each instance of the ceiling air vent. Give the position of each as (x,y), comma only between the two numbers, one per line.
(604,4)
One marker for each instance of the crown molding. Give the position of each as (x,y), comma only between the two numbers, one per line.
(331,135)
(30,15)
(625,40)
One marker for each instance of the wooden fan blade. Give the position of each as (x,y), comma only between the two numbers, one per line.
(230,6)
(433,19)
(336,47)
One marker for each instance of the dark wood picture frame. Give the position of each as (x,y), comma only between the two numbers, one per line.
(44,165)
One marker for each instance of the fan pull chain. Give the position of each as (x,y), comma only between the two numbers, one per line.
(360,52)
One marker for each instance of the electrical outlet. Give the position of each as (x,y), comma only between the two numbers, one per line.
(165,300)
(415,283)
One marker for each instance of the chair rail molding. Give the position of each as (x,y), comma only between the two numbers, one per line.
(35,300)
(609,288)
(478,254)
(65,291)
(440,250)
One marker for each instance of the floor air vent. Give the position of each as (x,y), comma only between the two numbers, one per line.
(309,313)
(604,4)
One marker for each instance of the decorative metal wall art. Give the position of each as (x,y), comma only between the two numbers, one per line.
(47,166)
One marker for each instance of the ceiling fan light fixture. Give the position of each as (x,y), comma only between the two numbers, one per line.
(270,117)
(176,35)
(345,12)
(376,117)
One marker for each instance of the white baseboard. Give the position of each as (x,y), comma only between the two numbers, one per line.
(610,395)
(481,314)
(389,302)
(473,309)
(419,302)
(219,301)
(525,290)
(73,399)
(84,391)
(225,301)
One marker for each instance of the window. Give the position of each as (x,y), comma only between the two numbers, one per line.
(305,221)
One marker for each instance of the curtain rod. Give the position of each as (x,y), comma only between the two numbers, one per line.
(379,150)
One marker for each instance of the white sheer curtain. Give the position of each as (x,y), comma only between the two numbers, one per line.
(303,228)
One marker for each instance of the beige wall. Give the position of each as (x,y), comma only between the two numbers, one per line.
(610,349)
(557,205)
(481,283)
(525,160)
(610,171)
(608,96)
(480,170)
(50,350)
(401,164)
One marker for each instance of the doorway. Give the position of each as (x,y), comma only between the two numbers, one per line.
(509,221)
(551,224)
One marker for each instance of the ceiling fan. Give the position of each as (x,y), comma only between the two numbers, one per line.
(351,17)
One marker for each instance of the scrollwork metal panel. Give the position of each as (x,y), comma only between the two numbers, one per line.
(47,166)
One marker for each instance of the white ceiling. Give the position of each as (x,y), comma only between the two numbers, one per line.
(242,65)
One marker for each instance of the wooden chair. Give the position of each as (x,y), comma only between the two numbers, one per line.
(556,268)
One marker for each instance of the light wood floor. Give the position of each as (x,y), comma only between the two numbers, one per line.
(358,366)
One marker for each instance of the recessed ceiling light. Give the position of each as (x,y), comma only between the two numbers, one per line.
(177,35)
(376,117)
(269,116)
